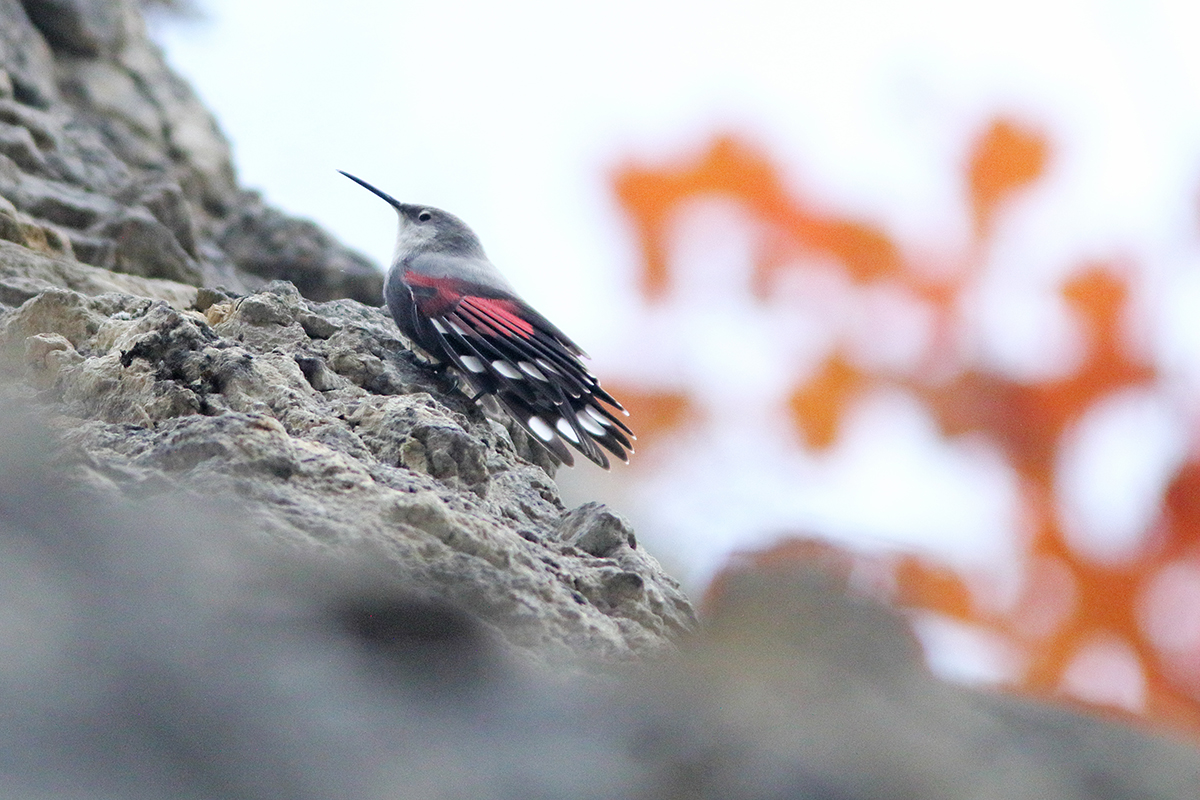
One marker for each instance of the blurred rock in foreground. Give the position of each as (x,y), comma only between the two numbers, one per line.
(162,646)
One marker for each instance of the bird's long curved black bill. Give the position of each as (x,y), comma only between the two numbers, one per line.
(391,200)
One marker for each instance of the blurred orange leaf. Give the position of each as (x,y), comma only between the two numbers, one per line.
(1006,159)
(819,404)
(653,413)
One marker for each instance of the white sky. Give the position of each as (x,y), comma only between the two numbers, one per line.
(512,115)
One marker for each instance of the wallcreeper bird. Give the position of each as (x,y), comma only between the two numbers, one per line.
(451,302)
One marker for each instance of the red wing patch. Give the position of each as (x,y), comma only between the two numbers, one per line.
(501,314)
(443,297)
(489,315)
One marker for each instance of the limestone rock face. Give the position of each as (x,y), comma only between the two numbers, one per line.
(108,158)
(316,418)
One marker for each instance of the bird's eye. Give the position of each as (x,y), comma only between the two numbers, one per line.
(424,216)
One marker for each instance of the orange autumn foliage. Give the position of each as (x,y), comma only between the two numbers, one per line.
(732,169)
(1066,600)
(1005,159)
(818,404)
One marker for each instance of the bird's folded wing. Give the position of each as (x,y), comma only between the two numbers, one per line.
(505,348)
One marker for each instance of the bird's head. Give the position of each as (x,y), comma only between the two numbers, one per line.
(427,229)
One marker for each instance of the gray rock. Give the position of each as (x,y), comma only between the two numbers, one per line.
(164,647)
(112,160)
(595,529)
(165,201)
(17,144)
(25,273)
(272,246)
(25,57)
(162,643)
(336,438)
(141,245)
(78,26)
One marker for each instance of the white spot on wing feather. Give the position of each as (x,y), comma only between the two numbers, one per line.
(531,370)
(546,365)
(507,370)
(596,415)
(472,363)
(589,424)
(438,326)
(564,427)
(457,328)
(539,427)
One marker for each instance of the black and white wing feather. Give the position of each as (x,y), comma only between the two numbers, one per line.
(505,348)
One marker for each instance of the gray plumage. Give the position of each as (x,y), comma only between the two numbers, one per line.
(454,304)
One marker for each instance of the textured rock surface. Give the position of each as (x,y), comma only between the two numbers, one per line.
(316,418)
(108,158)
